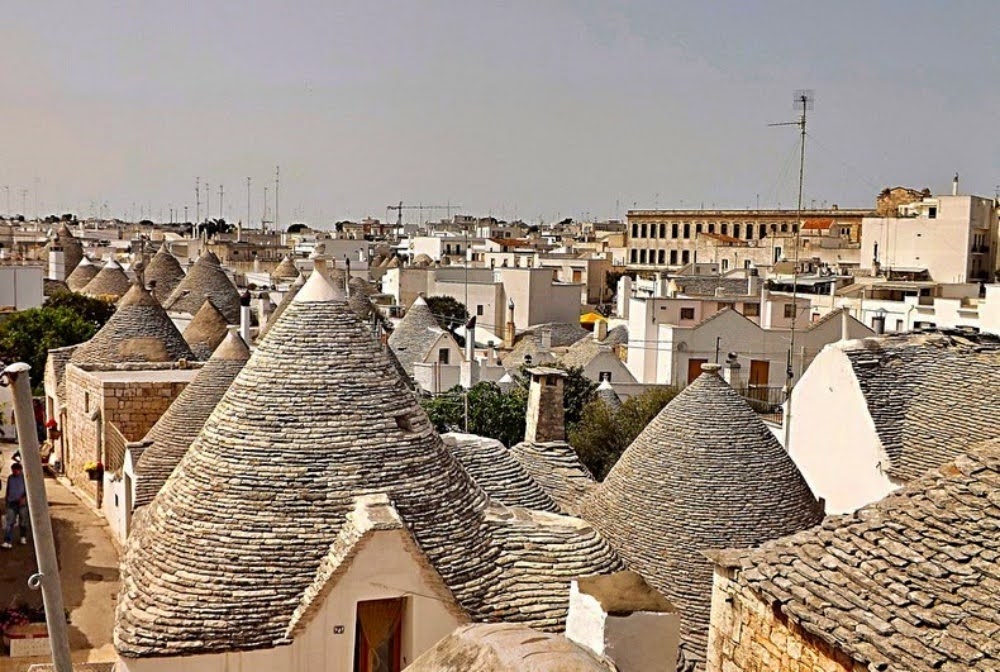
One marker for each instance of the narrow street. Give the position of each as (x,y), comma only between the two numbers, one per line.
(88,562)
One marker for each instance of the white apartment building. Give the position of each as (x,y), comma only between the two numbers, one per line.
(950,239)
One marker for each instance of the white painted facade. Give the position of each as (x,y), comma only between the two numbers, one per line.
(21,287)
(953,237)
(833,439)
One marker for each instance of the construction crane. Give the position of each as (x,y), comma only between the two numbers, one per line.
(399,209)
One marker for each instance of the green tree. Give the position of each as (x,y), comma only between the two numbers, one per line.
(602,435)
(93,310)
(493,413)
(450,313)
(28,336)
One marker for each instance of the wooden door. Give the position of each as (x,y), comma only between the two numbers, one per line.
(694,369)
(760,372)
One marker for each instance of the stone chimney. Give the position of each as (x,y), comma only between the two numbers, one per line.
(624,295)
(245,321)
(621,617)
(546,417)
(545,340)
(954,185)
(753,282)
(731,371)
(509,331)
(600,330)
(845,324)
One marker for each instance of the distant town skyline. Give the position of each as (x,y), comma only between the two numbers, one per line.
(526,110)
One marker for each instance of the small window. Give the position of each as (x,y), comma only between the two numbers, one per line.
(687,313)
(725,264)
(643,231)
(789,311)
(932,212)
(724,229)
(736,230)
(642,256)
(443,356)
(634,256)
(673,257)
(751,309)
(660,256)
(86,402)
(711,227)
(685,256)
(673,231)
(663,230)
(479,310)
(604,375)
(635,230)
(747,263)
(697,229)
(687,230)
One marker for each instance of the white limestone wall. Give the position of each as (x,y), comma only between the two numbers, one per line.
(384,567)
(21,287)
(833,439)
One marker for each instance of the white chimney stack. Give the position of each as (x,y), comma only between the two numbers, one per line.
(954,185)
(600,330)
(619,616)
(845,324)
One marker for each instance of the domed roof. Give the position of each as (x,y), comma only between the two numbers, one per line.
(84,272)
(361,285)
(139,331)
(170,437)
(422,260)
(206,279)
(705,474)
(286,270)
(414,334)
(163,274)
(206,330)
(228,550)
(109,281)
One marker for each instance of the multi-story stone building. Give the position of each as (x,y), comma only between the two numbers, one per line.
(657,239)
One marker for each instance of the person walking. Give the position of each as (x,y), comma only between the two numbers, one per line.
(17,506)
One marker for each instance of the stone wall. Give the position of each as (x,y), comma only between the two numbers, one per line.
(133,406)
(545,419)
(747,635)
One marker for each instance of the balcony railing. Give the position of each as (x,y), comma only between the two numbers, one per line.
(767,402)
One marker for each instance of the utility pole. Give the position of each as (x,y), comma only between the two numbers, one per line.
(277,175)
(47,578)
(803,101)
(263,219)
(6,188)
(197,199)
(185,214)
(248,202)
(208,202)
(222,191)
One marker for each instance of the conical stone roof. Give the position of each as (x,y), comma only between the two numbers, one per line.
(109,281)
(705,474)
(286,270)
(163,274)
(206,279)
(173,433)
(72,248)
(607,394)
(413,336)
(84,272)
(286,300)
(139,331)
(206,331)
(227,550)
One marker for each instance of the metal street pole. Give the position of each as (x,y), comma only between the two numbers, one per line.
(41,525)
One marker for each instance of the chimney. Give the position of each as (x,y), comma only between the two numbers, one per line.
(546,416)
(256,263)
(600,330)
(845,324)
(878,322)
(731,371)
(245,316)
(57,261)
(720,291)
(753,282)
(491,354)
(509,331)
(954,185)
(545,340)
(621,617)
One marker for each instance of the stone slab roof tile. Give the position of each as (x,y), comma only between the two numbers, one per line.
(84,272)
(163,274)
(927,392)
(907,584)
(414,335)
(206,331)
(705,470)
(206,279)
(109,281)
(139,331)
(557,468)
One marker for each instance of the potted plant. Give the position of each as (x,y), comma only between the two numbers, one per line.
(95,470)
(24,631)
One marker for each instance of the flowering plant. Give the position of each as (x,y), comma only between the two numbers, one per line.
(93,466)
(20,615)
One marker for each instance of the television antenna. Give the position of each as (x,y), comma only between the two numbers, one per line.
(803,100)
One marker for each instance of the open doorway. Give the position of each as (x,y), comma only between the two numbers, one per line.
(378,636)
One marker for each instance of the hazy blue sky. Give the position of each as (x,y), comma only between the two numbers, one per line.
(535,108)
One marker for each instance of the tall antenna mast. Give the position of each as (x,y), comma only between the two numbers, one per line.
(221,192)
(208,202)
(248,203)
(277,175)
(197,199)
(803,101)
